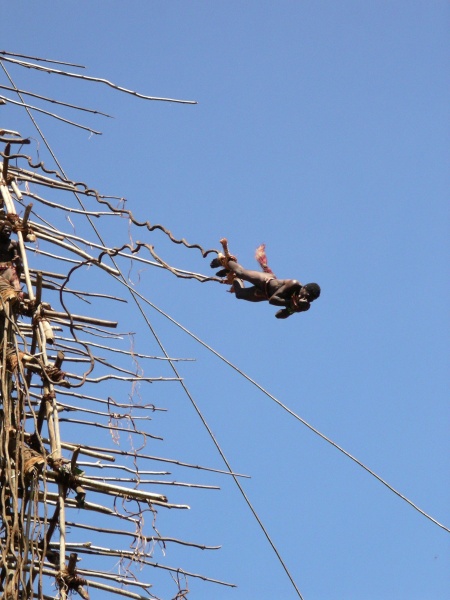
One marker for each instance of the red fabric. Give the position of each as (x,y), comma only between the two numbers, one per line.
(261,258)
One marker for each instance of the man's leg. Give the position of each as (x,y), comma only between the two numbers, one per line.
(256,278)
(251,294)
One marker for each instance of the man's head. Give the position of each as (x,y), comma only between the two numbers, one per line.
(5,229)
(310,291)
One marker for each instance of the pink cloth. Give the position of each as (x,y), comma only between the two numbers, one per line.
(261,258)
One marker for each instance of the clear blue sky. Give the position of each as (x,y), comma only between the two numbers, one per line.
(322,129)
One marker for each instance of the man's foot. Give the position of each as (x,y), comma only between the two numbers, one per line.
(220,261)
(222,273)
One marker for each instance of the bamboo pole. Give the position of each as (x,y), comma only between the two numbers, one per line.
(95,80)
(51,314)
(99,451)
(49,396)
(114,490)
(110,427)
(111,402)
(140,481)
(132,556)
(53,101)
(145,538)
(92,260)
(54,115)
(73,447)
(52,498)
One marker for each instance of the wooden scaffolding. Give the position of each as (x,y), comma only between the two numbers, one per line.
(53,479)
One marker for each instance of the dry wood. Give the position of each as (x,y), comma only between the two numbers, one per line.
(49,60)
(116,377)
(70,209)
(81,318)
(73,447)
(110,427)
(85,448)
(53,101)
(54,115)
(132,556)
(100,586)
(127,352)
(90,259)
(114,490)
(96,80)
(140,481)
(143,537)
(53,498)
(111,402)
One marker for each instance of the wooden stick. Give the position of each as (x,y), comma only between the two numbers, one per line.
(99,465)
(75,250)
(70,209)
(85,327)
(111,577)
(94,584)
(51,499)
(111,402)
(140,481)
(127,352)
(110,427)
(56,62)
(131,555)
(146,538)
(95,80)
(114,490)
(48,274)
(73,447)
(56,287)
(53,101)
(54,115)
(81,318)
(6,161)
(127,255)
(118,416)
(148,457)
(72,503)
(116,377)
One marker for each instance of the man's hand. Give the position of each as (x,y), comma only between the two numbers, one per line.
(284,313)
